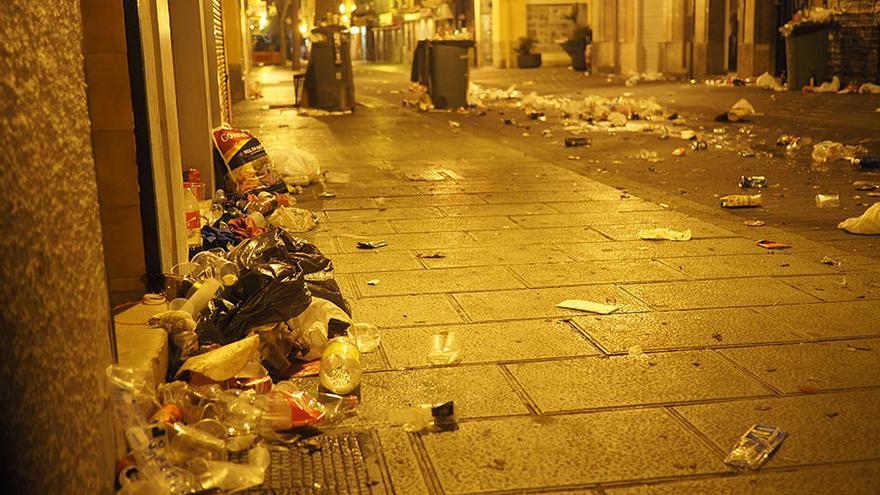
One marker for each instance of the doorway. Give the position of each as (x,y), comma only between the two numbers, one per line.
(731,32)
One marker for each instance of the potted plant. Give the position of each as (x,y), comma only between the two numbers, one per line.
(525,59)
(576,44)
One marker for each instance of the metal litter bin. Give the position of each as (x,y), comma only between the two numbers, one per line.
(329,82)
(806,56)
(443,67)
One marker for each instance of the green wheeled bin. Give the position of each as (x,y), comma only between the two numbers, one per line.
(806,56)
(443,66)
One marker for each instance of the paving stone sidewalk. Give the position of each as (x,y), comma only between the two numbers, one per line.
(712,335)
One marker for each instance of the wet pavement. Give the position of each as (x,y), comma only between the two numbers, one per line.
(711,336)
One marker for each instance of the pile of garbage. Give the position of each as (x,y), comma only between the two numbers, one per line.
(590,111)
(252,312)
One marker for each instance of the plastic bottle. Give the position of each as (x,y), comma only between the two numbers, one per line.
(193,220)
(341,366)
(283,409)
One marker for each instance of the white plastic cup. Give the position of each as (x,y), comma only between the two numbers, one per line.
(199,300)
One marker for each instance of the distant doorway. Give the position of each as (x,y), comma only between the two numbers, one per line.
(732,34)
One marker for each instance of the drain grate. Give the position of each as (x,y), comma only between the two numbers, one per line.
(345,463)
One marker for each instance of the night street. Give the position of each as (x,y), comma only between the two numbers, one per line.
(712,335)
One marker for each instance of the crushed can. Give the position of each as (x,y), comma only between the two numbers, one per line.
(571,142)
(755,447)
(753,182)
(679,151)
(741,201)
(699,145)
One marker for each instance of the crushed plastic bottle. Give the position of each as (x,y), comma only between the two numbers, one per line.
(755,447)
(341,366)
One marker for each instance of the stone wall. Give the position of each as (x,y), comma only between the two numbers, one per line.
(57,435)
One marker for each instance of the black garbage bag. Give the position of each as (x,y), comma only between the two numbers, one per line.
(264,293)
(277,246)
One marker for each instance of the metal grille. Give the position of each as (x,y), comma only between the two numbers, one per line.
(339,463)
(220,53)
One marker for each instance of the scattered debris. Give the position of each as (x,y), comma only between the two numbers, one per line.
(741,201)
(754,223)
(588,306)
(434,255)
(680,151)
(371,244)
(827,260)
(830,151)
(768,244)
(374,281)
(572,142)
(863,185)
(827,201)
(755,447)
(327,195)
(665,234)
(753,181)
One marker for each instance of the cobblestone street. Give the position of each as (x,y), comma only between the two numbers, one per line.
(711,336)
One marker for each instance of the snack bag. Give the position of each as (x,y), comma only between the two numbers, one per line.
(243,161)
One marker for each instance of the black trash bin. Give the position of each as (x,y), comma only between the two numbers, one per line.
(329,83)
(806,56)
(443,67)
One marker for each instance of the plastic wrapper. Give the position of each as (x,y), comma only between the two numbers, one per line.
(755,446)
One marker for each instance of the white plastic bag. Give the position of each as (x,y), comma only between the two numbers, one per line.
(312,326)
(297,167)
(767,81)
(868,223)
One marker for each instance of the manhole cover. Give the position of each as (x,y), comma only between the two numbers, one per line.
(343,463)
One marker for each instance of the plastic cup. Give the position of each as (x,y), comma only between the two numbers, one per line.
(180,304)
(445,348)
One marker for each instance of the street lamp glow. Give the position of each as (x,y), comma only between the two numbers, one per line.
(341,8)
(303,29)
